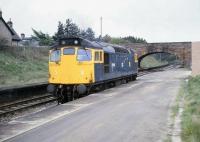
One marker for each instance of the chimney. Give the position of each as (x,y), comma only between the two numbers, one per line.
(10,23)
(22,36)
(0,13)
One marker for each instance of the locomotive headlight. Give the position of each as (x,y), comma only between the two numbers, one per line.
(76,42)
(63,42)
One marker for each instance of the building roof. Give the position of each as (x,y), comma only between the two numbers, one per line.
(15,36)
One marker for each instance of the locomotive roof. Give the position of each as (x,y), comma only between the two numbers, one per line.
(77,41)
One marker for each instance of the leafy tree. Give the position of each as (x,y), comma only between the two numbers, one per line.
(60,32)
(133,39)
(90,35)
(71,29)
(118,41)
(123,40)
(44,39)
(83,34)
(107,38)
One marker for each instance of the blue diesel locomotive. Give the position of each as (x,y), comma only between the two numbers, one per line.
(77,65)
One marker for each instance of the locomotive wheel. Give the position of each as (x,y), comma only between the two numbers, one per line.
(124,81)
(118,82)
(134,78)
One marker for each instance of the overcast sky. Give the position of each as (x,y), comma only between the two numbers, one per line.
(154,20)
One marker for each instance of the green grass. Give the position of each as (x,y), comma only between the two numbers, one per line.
(21,65)
(151,61)
(191,115)
(174,112)
(167,139)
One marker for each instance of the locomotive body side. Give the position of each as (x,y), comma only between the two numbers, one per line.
(117,64)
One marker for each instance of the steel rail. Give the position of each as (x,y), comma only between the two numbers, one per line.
(25,104)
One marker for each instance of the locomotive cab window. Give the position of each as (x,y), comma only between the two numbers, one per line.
(55,56)
(84,55)
(68,51)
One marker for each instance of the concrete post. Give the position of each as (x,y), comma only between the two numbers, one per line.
(195,58)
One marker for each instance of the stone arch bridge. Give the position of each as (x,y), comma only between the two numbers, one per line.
(181,49)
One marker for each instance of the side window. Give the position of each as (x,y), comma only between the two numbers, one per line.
(84,55)
(97,56)
(101,56)
(68,51)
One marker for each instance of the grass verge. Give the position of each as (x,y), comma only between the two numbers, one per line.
(175,107)
(151,61)
(21,65)
(191,114)
(173,114)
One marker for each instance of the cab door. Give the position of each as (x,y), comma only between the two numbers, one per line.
(98,65)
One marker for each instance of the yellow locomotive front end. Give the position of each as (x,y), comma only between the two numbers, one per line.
(71,65)
(71,68)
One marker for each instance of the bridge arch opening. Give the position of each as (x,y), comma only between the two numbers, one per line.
(156,59)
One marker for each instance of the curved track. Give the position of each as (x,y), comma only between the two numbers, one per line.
(155,69)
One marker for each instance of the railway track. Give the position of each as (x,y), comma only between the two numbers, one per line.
(22,105)
(11,108)
(155,69)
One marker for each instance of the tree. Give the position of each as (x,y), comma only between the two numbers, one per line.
(71,29)
(44,39)
(133,39)
(118,40)
(83,34)
(90,35)
(123,40)
(107,38)
(60,32)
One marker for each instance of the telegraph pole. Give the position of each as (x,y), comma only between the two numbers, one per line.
(101,26)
